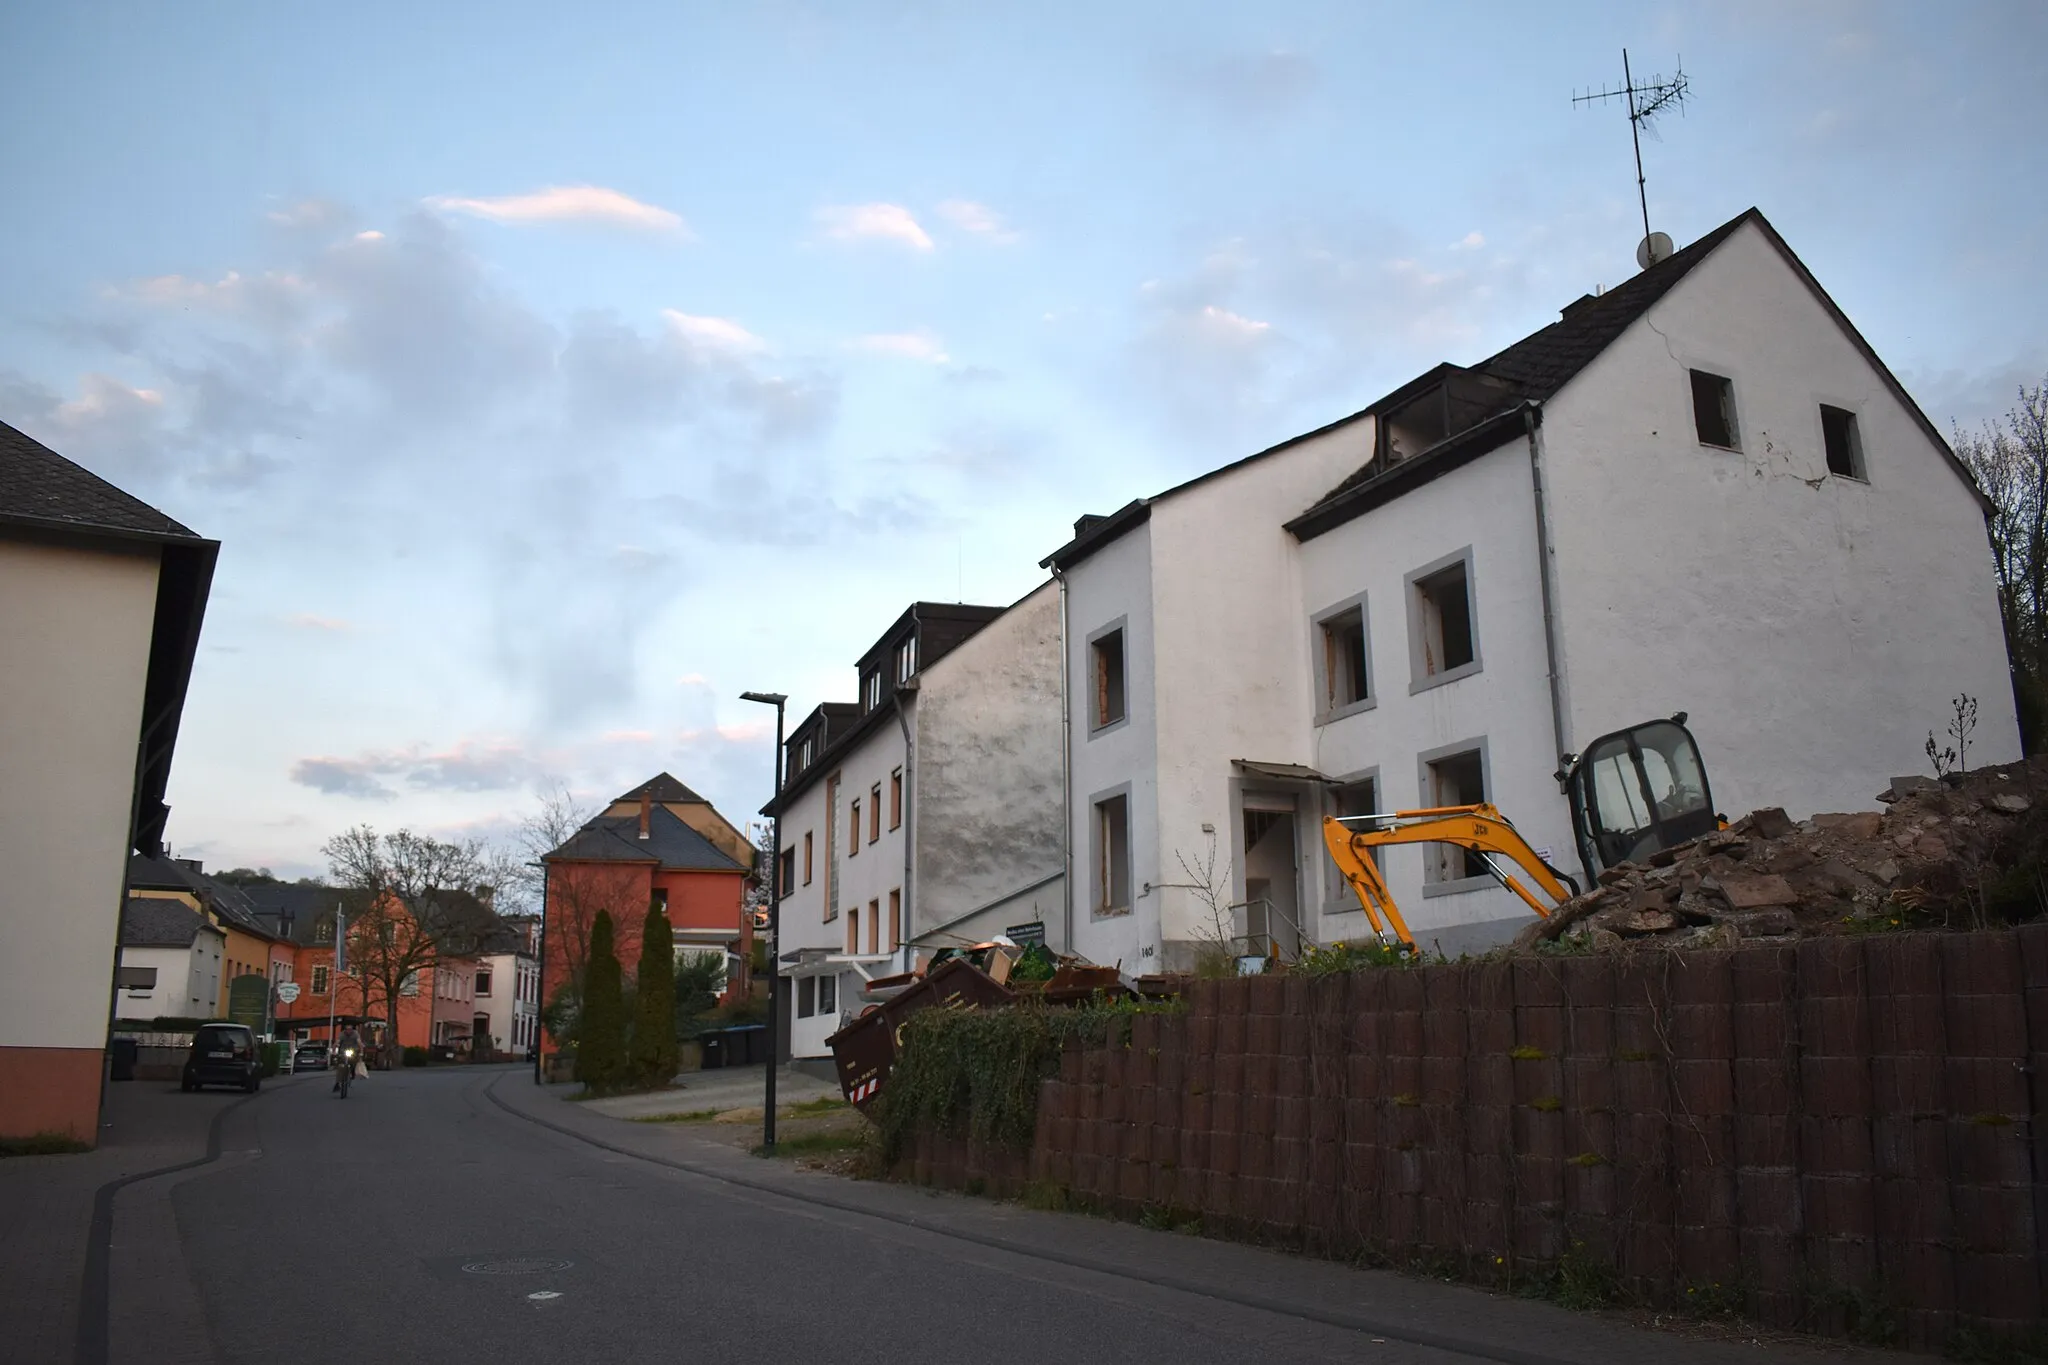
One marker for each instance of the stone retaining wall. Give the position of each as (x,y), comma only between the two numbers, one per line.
(1848,1132)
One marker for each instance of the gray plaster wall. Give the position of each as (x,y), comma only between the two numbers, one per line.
(986,798)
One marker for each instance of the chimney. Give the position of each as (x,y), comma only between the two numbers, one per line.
(646,810)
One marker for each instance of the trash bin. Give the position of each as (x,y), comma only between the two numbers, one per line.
(123,1051)
(750,1045)
(714,1044)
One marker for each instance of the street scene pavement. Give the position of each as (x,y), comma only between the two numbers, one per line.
(467,1214)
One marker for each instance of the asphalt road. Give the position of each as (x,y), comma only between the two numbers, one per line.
(428,1218)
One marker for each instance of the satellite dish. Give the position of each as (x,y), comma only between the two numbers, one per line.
(1655,247)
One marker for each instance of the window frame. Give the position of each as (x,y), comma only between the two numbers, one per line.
(1434,885)
(1414,589)
(871,690)
(853,825)
(1338,898)
(807,857)
(786,873)
(481,983)
(906,660)
(1859,466)
(896,799)
(323,977)
(1100,874)
(1326,710)
(806,997)
(1731,413)
(874,925)
(828,984)
(874,812)
(895,919)
(1119,628)
(853,931)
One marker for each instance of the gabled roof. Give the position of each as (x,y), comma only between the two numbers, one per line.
(225,899)
(1534,369)
(292,911)
(663,787)
(39,487)
(670,844)
(154,922)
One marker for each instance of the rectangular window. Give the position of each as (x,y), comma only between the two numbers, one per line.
(874,925)
(1440,622)
(1713,410)
(136,978)
(871,690)
(1360,797)
(832,848)
(875,813)
(1343,674)
(806,997)
(906,659)
(807,857)
(483,982)
(803,753)
(1454,779)
(411,984)
(853,830)
(895,919)
(1106,669)
(788,871)
(828,995)
(320,975)
(896,799)
(1113,855)
(1844,443)
(853,931)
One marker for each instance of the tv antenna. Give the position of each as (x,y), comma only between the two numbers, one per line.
(1645,102)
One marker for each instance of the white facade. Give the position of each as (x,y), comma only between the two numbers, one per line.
(186,980)
(509,999)
(931,818)
(1813,625)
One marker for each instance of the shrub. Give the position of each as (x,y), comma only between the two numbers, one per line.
(416,1056)
(654,1004)
(601,1033)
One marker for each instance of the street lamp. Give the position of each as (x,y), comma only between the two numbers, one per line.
(776,700)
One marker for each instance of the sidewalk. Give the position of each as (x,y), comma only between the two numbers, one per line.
(1095,1252)
(724,1089)
(46,1207)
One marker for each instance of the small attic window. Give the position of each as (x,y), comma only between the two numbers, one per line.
(1843,442)
(1713,410)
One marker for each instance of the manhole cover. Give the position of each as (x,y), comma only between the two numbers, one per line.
(517,1265)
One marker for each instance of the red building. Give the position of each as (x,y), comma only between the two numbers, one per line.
(659,843)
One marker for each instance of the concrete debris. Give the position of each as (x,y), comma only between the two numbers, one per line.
(1936,845)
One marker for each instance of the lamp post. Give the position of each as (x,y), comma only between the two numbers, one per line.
(776,700)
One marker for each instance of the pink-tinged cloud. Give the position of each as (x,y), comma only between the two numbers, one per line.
(877,222)
(979,219)
(566,204)
(717,334)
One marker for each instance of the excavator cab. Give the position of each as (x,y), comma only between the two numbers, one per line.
(1636,791)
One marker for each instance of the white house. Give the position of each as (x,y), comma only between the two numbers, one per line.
(506,986)
(170,961)
(927,813)
(1700,491)
(101,599)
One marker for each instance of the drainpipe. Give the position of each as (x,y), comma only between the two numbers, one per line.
(1532,423)
(904,917)
(1066,779)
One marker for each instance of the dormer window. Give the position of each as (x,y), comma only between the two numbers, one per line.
(871,691)
(906,659)
(803,754)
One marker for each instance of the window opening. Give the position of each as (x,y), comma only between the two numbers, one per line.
(895,919)
(1456,780)
(875,812)
(483,982)
(853,931)
(807,857)
(806,997)
(906,659)
(1113,855)
(871,690)
(828,995)
(874,924)
(1345,682)
(853,830)
(1445,602)
(1713,409)
(1107,653)
(1843,442)
(896,799)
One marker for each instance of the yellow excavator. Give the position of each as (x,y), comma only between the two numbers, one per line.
(1631,792)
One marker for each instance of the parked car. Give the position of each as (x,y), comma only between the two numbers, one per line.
(312,1055)
(223,1054)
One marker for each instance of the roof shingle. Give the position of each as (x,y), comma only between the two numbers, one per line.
(40,487)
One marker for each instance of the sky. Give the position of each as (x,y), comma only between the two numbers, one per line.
(552,374)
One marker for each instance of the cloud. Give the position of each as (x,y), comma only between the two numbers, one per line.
(274,298)
(884,222)
(1227,326)
(910,345)
(1471,241)
(309,214)
(370,235)
(978,219)
(718,333)
(465,767)
(567,204)
(306,620)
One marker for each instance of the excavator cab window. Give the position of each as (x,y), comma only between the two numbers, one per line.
(1638,790)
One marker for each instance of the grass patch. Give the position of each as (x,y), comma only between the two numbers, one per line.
(42,1144)
(694,1116)
(817,1144)
(824,1104)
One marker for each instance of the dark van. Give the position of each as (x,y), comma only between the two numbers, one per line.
(223,1054)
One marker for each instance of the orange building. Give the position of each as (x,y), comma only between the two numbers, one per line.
(660,843)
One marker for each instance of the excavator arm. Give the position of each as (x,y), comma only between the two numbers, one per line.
(1480,828)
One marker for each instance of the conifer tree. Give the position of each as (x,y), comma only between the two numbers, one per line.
(654,1008)
(601,1036)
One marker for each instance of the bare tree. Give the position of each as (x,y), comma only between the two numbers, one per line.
(2010,462)
(409,896)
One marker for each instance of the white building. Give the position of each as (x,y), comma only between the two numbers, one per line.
(101,599)
(170,962)
(1700,491)
(929,812)
(507,986)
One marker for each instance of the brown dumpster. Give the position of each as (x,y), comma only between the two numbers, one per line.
(866,1048)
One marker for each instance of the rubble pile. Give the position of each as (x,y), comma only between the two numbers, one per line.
(1950,853)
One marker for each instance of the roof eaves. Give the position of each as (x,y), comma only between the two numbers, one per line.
(1440,459)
